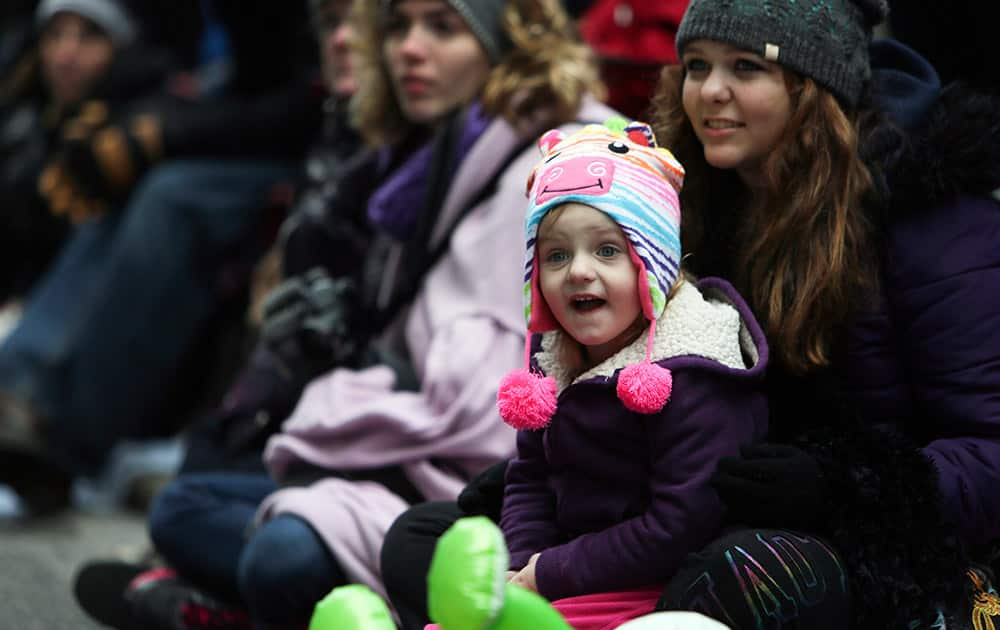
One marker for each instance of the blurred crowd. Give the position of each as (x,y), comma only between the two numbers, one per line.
(263,236)
(150,153)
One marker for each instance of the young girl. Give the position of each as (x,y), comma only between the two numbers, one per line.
(639,382)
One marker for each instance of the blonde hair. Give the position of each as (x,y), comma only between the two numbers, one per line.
(548,70)
(803,250)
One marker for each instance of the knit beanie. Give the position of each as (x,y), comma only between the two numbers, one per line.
(617,169)
(110,16)
(485,19)
(826,40)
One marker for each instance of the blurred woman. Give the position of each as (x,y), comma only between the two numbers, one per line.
(452,95)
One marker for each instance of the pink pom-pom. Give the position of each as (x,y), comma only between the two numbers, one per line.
(526,400)
(645,387)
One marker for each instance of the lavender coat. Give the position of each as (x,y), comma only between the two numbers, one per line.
(614,499)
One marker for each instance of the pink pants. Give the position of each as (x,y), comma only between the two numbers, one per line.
(602,611)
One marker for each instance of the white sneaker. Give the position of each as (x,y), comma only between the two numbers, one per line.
(673,620)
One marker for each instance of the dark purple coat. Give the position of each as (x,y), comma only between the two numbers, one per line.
(931,354)
(928,358)
(615,499)
(909,439)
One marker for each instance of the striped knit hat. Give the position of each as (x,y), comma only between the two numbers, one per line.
(619,170)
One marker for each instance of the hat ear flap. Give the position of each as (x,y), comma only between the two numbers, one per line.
(641,134)
(550,139)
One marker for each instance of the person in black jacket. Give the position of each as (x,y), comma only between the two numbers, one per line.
(163,193)
(50,62)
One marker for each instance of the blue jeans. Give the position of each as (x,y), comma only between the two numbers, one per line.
(105,330)
(200,524)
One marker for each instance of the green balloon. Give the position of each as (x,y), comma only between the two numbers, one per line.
(526,609)
(353,607)
(467,586)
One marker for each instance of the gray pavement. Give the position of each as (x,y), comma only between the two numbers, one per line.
(39,559)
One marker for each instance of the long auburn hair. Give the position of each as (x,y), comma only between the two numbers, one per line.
(801,251)
(546,73)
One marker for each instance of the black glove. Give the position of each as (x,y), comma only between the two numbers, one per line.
(772,485)
(98,161)
(484,494)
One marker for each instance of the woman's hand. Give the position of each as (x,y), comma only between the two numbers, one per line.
(525,578)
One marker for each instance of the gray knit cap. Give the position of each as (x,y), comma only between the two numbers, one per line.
(485,19)
(826,40)
(110,16)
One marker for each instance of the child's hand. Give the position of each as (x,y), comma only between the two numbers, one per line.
(525,578)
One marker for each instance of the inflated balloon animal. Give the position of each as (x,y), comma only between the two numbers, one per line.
(467,589)
(467,585)
(353,607)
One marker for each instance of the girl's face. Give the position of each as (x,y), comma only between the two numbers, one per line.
(738,104)
(435,62)
(74,53)
(588,279)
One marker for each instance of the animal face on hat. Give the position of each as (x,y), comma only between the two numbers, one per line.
(623,173)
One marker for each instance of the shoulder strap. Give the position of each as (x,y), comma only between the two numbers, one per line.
(422,264)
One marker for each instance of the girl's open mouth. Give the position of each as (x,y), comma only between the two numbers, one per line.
(583,305)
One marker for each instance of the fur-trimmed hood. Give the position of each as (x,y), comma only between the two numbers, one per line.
(952,133)
(957,152)
(713,323)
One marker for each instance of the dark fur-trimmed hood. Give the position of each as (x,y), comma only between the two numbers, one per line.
(955,152)
(938,142)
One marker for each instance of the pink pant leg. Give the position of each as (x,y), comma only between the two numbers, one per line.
(604,611)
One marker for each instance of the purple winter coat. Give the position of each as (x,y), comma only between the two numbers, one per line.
(929,356)
(908,435)
(615,499)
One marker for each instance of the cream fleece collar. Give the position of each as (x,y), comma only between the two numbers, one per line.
(693,324)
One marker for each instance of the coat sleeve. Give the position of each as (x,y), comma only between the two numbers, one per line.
(279,123)
(931,461)
(945,298)
(707,419)
(529,505)
(271,103)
